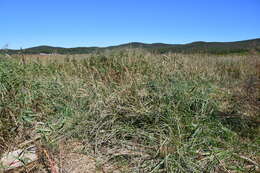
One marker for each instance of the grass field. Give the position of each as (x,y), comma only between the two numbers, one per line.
(137,111)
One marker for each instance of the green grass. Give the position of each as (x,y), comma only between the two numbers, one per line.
(184,113)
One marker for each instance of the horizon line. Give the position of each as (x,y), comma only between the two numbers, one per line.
(125,43)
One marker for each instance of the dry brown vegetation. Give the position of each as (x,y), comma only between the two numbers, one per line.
(134,111)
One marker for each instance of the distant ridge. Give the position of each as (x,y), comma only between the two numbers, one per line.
(194,47)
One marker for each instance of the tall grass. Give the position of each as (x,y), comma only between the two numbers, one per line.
(171,113)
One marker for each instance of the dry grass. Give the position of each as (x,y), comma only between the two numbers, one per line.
(134,109)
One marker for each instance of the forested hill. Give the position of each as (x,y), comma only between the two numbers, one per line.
(195,47)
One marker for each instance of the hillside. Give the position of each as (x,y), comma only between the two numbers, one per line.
(195,47)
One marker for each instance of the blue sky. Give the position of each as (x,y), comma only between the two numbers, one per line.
(72,23)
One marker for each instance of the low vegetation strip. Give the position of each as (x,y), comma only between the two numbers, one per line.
(136,110)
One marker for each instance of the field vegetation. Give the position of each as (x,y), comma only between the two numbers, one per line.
(135,110)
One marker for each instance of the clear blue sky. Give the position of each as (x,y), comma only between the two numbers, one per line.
(72,23)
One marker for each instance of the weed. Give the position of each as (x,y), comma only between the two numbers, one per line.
(149,112)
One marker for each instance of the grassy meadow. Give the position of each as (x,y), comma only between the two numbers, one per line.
(135,110)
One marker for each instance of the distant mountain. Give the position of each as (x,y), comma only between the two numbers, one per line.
(194,47)
(50,49)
